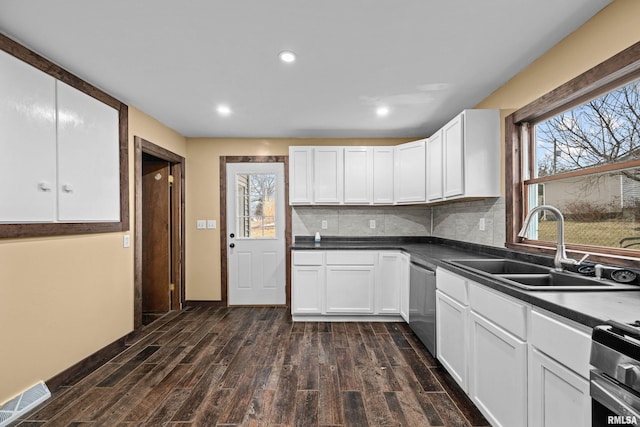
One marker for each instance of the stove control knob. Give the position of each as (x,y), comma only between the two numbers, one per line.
(628,373)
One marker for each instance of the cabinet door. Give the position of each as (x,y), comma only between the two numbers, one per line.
(410,172)
(451,337)
(27,142)
(350,289)
(497,373)
(300,175)
(328,174)
(88,158)
(453,153)
(434,167)
(557,396)
(383,175)
(405,262)
(358,175)
(307,283)
(388,283)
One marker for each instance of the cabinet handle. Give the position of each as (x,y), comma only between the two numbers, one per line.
(232,245)
(44,186)
(67,188)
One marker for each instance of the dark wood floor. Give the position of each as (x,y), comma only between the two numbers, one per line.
(255,367)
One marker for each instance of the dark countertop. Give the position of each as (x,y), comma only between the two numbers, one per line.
(590,308)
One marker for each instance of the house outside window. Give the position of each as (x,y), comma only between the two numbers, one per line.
(578,148)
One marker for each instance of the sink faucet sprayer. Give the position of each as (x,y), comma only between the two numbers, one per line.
(561,254)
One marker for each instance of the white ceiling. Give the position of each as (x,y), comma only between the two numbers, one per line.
(177,60)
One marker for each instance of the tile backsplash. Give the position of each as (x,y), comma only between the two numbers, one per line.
(355,220)
(458,221)
(461,221)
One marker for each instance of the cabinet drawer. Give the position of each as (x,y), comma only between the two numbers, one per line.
(504,312)
(351,257)
(452,285)
(308,257)
(561,341)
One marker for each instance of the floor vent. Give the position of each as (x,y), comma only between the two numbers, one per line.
(23,403)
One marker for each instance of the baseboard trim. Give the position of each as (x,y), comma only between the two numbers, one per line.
(196,303)
(87,365)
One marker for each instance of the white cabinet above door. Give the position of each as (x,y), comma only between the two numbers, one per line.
(300,175)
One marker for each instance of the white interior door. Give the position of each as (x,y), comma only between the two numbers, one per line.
(256,235)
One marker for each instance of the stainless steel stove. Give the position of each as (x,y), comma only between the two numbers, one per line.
(615,381)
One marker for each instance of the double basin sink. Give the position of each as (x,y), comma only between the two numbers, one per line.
(534,277)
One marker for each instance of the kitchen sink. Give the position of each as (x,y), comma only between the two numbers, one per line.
(533,277)
(501,266)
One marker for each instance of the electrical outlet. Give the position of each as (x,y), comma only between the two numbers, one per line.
(324,224)
(126,241)
(211,223)
(481,225)
(201,224)
(372,223)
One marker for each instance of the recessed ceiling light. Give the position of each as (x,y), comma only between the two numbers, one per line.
(382,111)
(287,56)
(223,110)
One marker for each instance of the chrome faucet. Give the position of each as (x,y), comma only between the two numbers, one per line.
(561,253)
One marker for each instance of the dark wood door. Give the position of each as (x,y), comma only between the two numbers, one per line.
(156,236)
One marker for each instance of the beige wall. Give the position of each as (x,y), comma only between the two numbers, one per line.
(203,199)
(64,298)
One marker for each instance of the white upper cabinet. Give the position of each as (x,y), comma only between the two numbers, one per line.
(358,175)
(60,150)
(453,157)
(27,142)
(383,175)
(410,172)
(301,175)
(434,167)
(328,175)
(471,155)
(88,158)
(460,160)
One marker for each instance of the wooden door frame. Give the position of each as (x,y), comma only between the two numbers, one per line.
(224,273)
(142,146)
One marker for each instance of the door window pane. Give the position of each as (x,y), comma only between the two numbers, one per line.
(256,205)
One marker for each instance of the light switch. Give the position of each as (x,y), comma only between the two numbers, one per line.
(211,223)
(201,224)
(481,225)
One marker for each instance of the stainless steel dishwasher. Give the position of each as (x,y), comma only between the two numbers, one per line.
(422,304)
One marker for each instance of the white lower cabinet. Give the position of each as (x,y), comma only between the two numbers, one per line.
(558,372)
(308,275)
(451,337)
(388,283)
(403,282)
(497,373)
(558,397)
(520,365)
(349,289)
(346,283)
